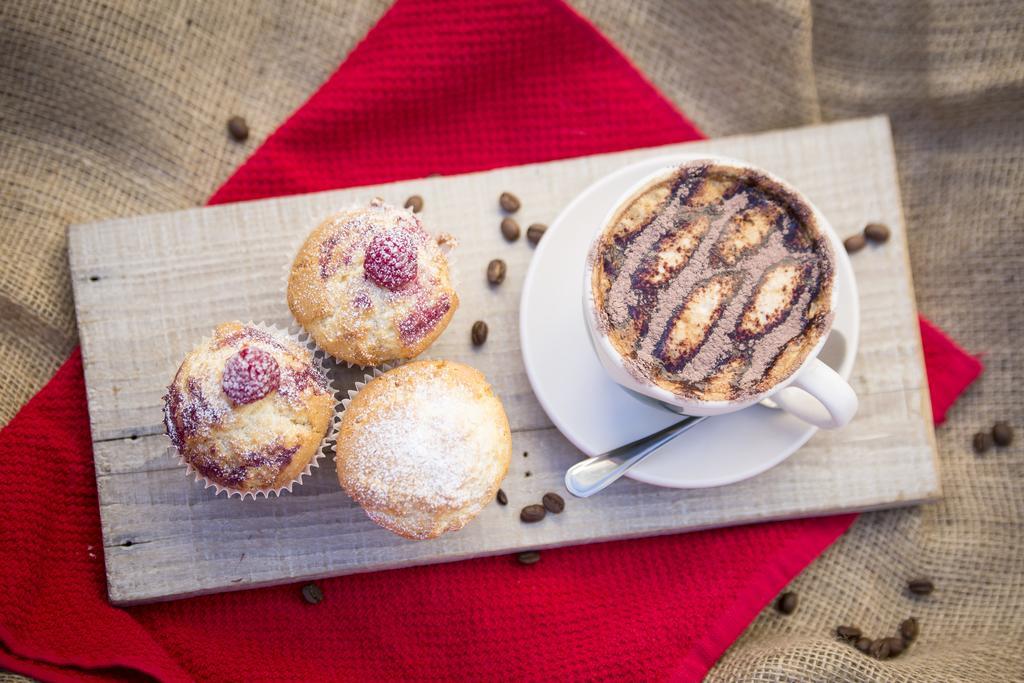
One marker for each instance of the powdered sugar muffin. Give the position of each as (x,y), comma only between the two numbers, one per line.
(370,285)
(424,447)
(248,408)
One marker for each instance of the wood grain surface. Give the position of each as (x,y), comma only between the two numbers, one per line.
(147,288)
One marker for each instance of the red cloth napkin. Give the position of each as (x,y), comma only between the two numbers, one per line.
(448,86)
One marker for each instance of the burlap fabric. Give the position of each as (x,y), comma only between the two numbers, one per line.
(111,111)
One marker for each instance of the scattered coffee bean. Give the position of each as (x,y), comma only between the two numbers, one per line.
(479,333)
(502,497)
(535,232)
(896,646)
(532,513)
(414,203)
(509,202)
(510,229)
(850,633)
(1002,433)
(312,594)
(877,232)
(238,129)
(553,502)
(982,442)
(920,586)
(496,271)
(786,603)
(854,243)
(863,644)
(909,629)
(529,557)
(880,648)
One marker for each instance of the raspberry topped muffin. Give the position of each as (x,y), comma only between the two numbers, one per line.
(423,448)
(370,285)
(248,408)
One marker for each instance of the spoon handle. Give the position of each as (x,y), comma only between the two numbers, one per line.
(589,476)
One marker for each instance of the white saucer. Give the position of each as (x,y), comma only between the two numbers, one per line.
(596,414)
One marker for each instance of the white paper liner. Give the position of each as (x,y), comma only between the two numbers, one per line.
(326,444)
(447,247)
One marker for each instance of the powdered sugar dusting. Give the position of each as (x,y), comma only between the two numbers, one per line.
(250,374)
(390,259)
(220,409)
(421,451)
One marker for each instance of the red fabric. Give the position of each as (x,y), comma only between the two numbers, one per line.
(448,86)
(950,369)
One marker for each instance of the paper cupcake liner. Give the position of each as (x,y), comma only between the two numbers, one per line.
(326,443)
(447,248)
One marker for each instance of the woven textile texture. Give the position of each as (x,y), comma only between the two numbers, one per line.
(951,76)
(124,113)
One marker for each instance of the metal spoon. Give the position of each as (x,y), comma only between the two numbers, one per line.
(589,476)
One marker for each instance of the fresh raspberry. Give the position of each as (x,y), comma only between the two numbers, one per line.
(249,375)
(390,260)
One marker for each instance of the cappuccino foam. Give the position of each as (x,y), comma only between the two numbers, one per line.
(714,283)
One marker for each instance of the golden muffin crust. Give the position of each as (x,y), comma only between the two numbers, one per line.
(370,285)
(424,447)
(248,408)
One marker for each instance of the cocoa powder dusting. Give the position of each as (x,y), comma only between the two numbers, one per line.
(640,314)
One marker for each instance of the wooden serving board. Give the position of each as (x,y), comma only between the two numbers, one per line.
(147,288)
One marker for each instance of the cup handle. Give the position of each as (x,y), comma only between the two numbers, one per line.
(819,396)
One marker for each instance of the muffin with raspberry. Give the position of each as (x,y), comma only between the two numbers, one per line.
(248,408)
(371,285)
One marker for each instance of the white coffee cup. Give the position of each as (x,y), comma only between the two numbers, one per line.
(826,400)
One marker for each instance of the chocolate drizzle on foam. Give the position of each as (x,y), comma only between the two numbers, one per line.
(713,284)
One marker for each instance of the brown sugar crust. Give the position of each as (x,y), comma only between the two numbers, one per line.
(423,448)
(351,316)
(714,283)
(260,445)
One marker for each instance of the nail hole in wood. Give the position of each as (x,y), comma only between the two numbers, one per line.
(94,278)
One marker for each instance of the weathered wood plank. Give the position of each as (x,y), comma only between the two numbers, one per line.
(147,288)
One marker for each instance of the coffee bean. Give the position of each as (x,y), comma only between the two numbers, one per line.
(1002,433)
(909,629)
(529,557)
(535,232)
(509,202)
(502,497)
(496,271)
(880,648)
(532,513)
(850,633)
(553,502)
(877,232)
(863,644)
(312,594)
(479,333)
(786,603)
(921,586)
(510,229)
(414,203)
(854,243)
(896,646)
(982,442)
(238,129)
